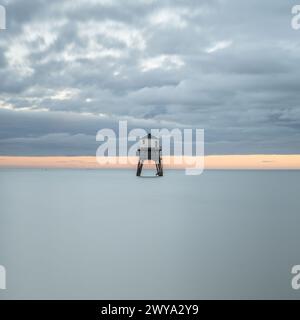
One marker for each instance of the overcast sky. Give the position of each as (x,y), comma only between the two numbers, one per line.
(70,68)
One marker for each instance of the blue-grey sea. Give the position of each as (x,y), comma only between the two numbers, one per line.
(106,234)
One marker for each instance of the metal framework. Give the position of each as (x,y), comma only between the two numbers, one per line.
(150,149)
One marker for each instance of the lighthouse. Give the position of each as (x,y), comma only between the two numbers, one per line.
(150,149)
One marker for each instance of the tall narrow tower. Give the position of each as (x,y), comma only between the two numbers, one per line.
(150,149)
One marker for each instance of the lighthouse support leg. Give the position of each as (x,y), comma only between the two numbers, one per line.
(157,169)
(160,171)
(139,168)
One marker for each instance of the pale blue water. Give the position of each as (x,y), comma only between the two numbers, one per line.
(98,234)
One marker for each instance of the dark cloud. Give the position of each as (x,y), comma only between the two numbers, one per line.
(228,66)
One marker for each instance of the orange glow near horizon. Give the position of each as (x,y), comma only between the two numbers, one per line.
(223,162)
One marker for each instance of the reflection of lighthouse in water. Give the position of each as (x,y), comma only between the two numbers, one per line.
(150,149)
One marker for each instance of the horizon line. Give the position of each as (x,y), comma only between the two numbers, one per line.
(211,162)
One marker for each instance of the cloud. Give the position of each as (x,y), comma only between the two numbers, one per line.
(219,46)
(68,68)
(168,17)
(164,62)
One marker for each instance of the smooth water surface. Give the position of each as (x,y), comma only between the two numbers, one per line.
(105,234)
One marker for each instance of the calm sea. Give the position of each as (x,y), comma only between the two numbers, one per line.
(101,234)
